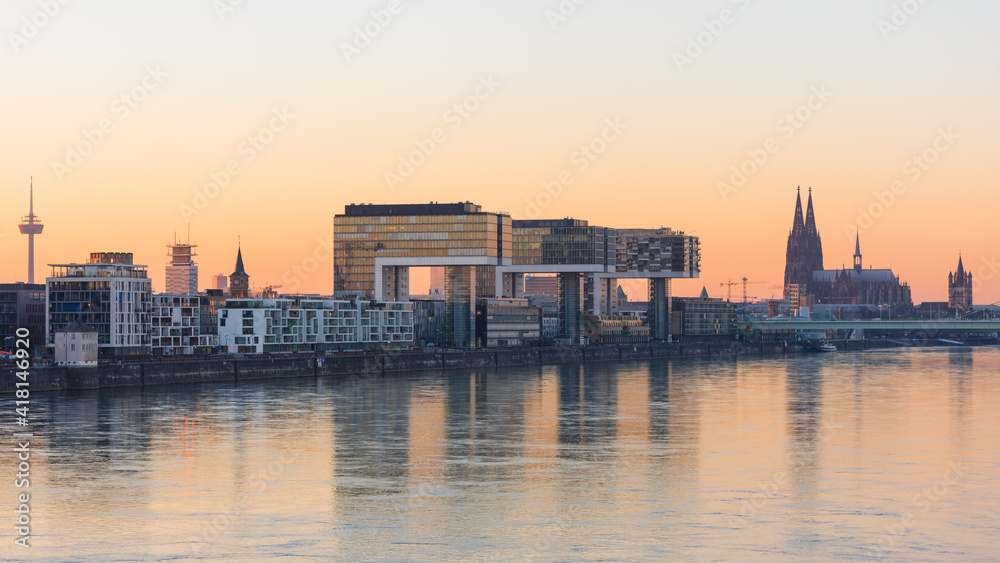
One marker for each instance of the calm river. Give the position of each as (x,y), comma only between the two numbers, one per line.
(878,455)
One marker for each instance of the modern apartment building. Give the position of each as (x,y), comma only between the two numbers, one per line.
(256,326)
(108,293)
(177,326)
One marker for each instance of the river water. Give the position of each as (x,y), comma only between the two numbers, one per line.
(879,455)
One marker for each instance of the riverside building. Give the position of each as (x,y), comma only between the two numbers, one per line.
(375,245)
(258,326)
(108,293)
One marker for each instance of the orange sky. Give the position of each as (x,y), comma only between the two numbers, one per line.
(198,86)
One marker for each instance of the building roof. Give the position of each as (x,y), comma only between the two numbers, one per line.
(77,326)
(704,293)
(854,275)
(377,210)
(239,264)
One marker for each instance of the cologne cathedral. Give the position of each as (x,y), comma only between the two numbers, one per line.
(806,278)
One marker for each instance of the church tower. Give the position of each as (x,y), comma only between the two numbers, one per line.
(960,288)
(239,280)
(805,248)
(857,254)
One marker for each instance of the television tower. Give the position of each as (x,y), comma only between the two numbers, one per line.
(31,225)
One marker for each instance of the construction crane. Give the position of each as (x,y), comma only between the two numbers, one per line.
(731,283)
(269,292)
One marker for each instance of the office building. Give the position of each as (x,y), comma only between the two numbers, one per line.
(375,245)
(181,270)
(508,322)
(221,282)
(22,305)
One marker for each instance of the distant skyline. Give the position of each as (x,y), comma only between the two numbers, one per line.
(637,113)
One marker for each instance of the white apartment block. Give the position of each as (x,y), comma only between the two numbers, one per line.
(176,326)
(256,326)
(108,293)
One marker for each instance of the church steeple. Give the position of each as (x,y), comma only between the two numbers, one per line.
(798,225)
(857,253)
(811,217)
(239,280)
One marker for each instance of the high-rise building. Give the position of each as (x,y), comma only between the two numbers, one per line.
(221,282)
(437,281)
(239,280)
(804,254)
(181,271)
(31,225)
(108,293)
(375,245)
(960,288)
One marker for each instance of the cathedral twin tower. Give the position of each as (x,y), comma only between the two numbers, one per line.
(805,248)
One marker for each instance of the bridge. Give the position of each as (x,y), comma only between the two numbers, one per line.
(861,326)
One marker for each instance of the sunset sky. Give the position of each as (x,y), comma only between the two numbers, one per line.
(853,98)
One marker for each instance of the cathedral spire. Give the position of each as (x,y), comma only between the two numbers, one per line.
(961,268)
(811,217)
(857,253)
(798,226)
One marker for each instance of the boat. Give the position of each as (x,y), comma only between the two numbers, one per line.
(828,348)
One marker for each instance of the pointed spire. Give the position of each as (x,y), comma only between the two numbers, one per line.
(798,226)
(704,292)
(961,267)
(857,253)
(811,217)
(239,263)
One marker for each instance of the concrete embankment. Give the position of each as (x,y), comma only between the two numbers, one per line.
(149,373)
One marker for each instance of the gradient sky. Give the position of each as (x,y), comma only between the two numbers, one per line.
(686,129)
